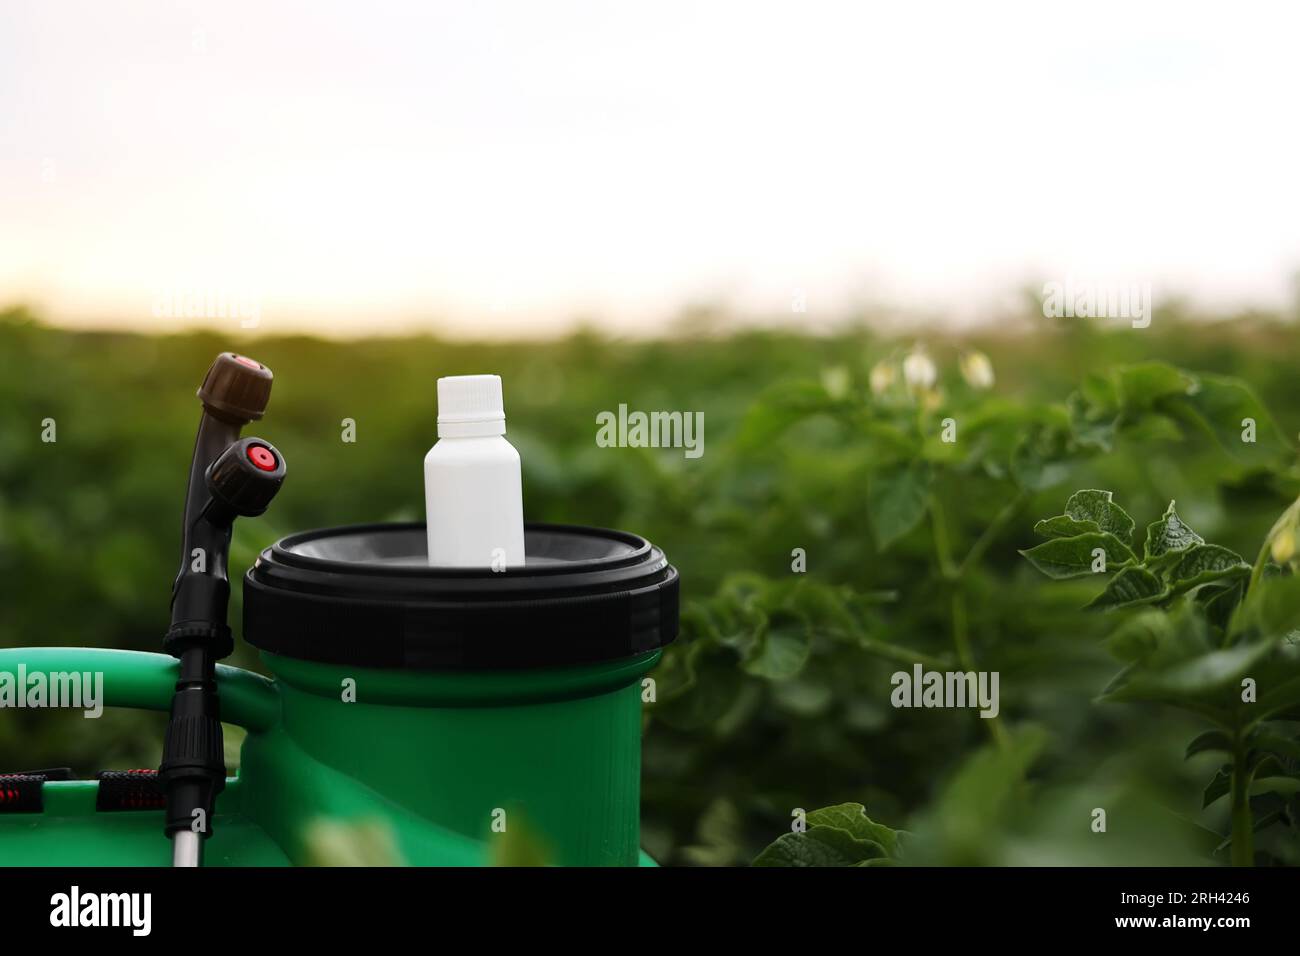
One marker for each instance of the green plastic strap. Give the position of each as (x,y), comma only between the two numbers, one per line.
(145,680)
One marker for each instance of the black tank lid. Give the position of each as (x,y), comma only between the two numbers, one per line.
(363,595)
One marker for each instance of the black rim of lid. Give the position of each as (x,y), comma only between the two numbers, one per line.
(609,595)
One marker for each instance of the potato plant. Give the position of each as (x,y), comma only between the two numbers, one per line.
(1201,628)
(1212,635)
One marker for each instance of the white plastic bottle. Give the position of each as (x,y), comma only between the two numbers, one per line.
(473,492)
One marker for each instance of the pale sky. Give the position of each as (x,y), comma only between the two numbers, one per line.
(500,168)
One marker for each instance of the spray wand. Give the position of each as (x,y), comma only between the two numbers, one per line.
(229,477)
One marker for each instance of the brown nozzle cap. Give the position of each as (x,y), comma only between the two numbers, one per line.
(236,388)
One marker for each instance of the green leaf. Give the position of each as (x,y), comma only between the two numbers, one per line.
(1203,563)
(802,698)
(1272,607)
(782,650)
(1042,457)
(1213,670)
(1262,763)
(842,835)
(987,791)
(1090,427)
(1278,680)
(782,406)
(1140,386)
(1170,533)
(1141,636)
(1209,741)
(1207,684)
(1287,786)
(1097,506)
(1219,405)
(1063,526)
(1151,428)
(1073,557)
(1094,411)
(1221,601)
(1274,743)
(1100,393)
(713,688)
(1133,585)
(819,846)
(719,836)
(1218,786)
(897,499)
(853,818)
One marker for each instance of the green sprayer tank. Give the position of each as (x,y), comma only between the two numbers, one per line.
(417,715)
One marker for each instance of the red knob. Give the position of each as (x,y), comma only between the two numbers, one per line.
(262,457)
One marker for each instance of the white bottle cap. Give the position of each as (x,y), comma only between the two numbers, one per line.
(470,406)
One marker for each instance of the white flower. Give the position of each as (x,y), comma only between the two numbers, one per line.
(918,370)
(883,376)
(977,370)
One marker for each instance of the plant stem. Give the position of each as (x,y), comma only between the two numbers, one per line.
(1243,831)
(1287,518)
(902,655)
(961,640)
(942,547)
(990,533)
(960,637)
(1258,569)
(955,575)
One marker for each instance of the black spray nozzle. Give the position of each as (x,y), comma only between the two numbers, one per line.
(245,477)
(229,477)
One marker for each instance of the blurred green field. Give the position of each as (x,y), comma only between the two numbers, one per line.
(777,696)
